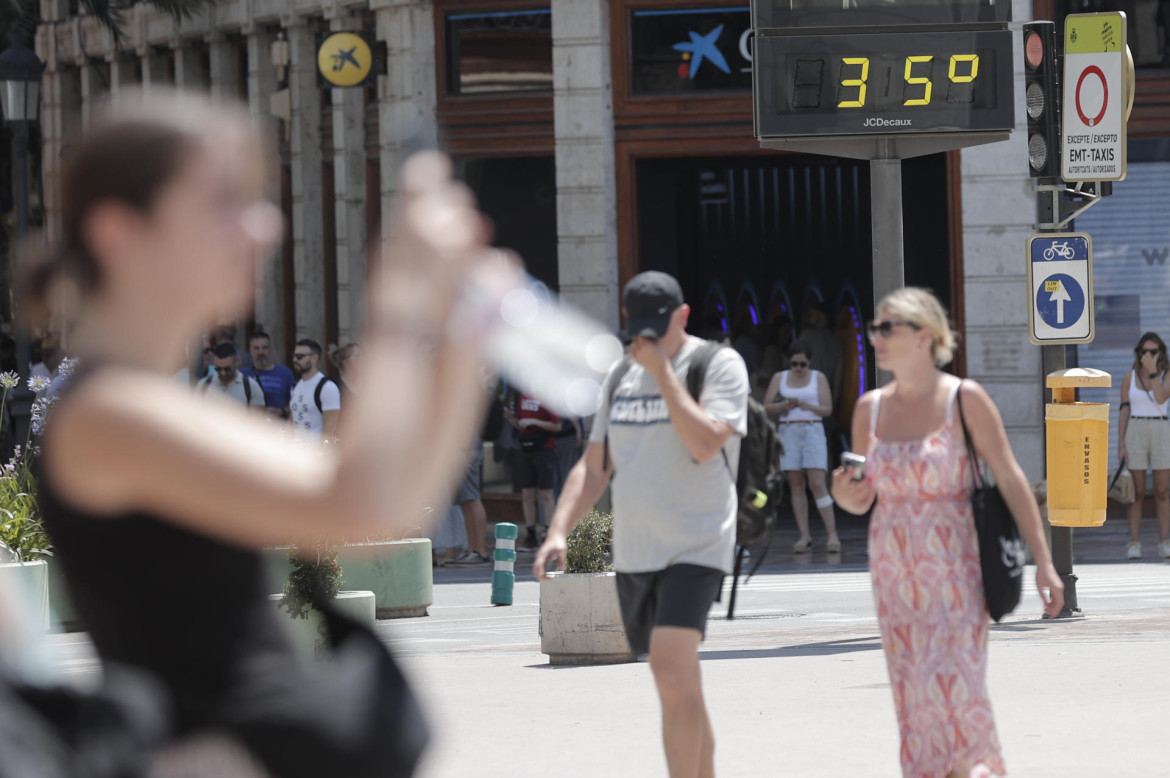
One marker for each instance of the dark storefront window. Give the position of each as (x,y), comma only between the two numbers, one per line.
(693,50)
(862,13)
(499,53)
(1148,22)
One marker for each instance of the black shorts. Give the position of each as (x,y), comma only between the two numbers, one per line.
(537,469)
(679,596)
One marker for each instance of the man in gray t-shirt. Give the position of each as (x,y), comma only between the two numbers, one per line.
(674,500)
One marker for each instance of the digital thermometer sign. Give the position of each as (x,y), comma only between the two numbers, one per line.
(883,83)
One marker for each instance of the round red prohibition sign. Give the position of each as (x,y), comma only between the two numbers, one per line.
(1104,100)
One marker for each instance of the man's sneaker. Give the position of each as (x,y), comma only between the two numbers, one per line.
(472,559)
(1164,549)
(530,542)
(1133,549)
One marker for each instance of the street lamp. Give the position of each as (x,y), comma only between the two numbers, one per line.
(20,99)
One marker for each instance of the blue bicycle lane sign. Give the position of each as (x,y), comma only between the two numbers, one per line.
(1060,284)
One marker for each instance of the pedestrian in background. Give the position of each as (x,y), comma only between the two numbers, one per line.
(799,400)
(229,380)
(1143,436)
(315,402)
(276,379)
(163,211)
(923,549)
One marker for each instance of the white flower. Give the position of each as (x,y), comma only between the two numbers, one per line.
(38,383)
(67,366)
(9,380)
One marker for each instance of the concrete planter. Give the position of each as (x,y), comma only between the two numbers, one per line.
(398,572)
(580,620)
(308,634)
(30,581)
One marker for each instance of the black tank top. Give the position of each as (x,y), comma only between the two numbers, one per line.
(194,612)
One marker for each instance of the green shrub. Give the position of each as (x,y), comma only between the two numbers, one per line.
(315,577)
(589,543)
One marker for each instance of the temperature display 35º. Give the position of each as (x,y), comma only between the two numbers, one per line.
(884,83)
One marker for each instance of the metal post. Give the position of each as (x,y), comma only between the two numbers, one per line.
(885,207)
(1053,358)
(21,398)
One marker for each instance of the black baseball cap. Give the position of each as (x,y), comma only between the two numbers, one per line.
(650,299)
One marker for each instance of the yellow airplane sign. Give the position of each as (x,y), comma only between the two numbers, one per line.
(345,59)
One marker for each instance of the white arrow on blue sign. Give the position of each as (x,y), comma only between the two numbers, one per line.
(1060,282)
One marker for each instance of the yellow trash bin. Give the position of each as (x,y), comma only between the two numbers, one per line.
(1077,441)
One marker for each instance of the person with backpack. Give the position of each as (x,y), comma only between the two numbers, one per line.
(316,400)
(673,461)
(228,379)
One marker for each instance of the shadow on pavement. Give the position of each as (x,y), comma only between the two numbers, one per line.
(825,648)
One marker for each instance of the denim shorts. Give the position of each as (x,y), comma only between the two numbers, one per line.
(804,445)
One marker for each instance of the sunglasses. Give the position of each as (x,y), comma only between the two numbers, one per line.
(797,363)
(1151,351)
(885,328)
(302,356)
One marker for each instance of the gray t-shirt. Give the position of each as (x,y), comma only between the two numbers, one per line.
(669,509)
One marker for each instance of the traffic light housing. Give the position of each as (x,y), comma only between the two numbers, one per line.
(1042,99)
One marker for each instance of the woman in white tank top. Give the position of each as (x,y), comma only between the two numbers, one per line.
(1143,434)
(799,398)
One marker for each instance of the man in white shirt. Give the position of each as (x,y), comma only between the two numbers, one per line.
(316,400)
(229,380)
(673,461)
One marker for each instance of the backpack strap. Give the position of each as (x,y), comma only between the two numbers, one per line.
(317,393)
(697,372)
(247,388)
(619,373)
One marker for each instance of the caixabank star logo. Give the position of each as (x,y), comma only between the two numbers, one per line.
(698,49)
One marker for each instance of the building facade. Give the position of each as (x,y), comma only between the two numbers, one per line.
(599,149)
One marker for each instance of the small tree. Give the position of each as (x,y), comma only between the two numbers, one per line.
(588,545)
(315,577)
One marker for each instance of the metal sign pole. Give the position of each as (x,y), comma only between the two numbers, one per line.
(885,204)
(1053,359)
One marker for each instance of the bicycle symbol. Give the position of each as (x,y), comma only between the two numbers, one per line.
(1063,250)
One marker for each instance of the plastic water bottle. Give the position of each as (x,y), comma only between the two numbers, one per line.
(548,350)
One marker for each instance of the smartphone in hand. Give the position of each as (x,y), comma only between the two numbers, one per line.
(854,465)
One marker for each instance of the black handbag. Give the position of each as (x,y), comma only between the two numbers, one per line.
(1001,551)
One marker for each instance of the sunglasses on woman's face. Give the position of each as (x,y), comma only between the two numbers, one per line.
(1151,351)
(885,328)
(797,363)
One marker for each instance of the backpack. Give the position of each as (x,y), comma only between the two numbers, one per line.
(206,382)
(317,392)
(759,482)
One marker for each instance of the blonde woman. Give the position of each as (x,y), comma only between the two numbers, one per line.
(923,550)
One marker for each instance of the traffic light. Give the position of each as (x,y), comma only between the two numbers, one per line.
(1042,99)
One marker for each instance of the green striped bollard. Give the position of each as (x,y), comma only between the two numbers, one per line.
(504,577)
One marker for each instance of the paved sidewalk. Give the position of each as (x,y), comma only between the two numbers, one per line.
(796,693)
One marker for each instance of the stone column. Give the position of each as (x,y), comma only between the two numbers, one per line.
(307,196)
(349,186)
(122,74)
(95,83)
(270,313)
(406,97)
(156,70)
(586,176)
(999,213)
(190,69)
(224,68)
